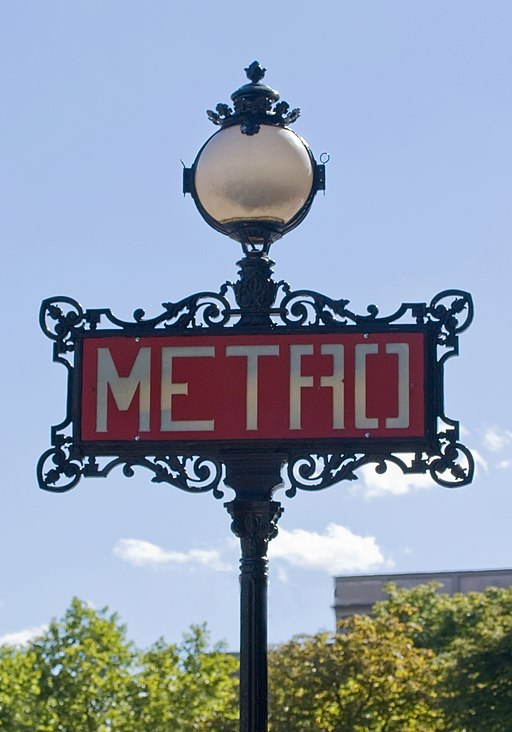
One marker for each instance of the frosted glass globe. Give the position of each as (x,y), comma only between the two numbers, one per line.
(266,177)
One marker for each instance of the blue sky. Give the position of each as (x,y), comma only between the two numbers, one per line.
(100,102)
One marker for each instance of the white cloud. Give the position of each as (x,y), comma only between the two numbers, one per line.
(505,464)
(499,440)
(22,637)
(282,575)
(480,462)
(392,482)
(141,553)
(336,551)
(496,439)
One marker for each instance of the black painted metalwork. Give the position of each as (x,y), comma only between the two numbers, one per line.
(255,104)
(257,304)
(255,524)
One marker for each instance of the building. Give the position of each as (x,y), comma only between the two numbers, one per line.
(357,594)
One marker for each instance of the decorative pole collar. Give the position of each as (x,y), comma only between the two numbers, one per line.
(255,104)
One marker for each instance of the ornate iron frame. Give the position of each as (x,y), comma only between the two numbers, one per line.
(258,304)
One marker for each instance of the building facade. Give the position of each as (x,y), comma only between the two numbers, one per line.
(355,595)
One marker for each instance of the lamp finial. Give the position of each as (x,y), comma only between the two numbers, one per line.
(255,72)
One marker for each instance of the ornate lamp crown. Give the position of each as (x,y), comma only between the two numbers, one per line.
(255,104)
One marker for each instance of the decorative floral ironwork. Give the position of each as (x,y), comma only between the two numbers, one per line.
(60,319)
(201,310)
(255,522)
(450,464)
(453,311)
(454,465)
(254,104)
(258,304)
(306,307)
(60,468)
(255,291)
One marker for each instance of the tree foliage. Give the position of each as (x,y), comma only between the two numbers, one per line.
(186,687)
(471,635)
(424,662)
(83,675)
(368,677)
(83,665)
(19,689)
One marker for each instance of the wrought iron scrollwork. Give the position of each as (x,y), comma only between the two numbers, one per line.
(258,304)
(320,470)
(194,474)
(201,310)
(449,464)
(454,465)
(57,470)
(60,319)
(452,311)
(60,469)
(307,307)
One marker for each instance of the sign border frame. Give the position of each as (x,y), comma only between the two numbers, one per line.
(274,309)
(215,446)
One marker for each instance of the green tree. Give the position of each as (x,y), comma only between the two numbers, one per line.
(478,681)
(472,637)
(19,689)
(186,687)
(424,662)
(83,664)
(369,676)
(83,675)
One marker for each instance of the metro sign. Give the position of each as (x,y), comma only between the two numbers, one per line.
(207,388)
(283,377)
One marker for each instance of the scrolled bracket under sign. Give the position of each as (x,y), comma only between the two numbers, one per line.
(452,466)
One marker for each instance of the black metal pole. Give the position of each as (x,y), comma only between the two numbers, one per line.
(255,523)
(254,476)
(254,520)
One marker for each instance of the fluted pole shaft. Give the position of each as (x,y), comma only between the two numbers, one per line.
(255,523)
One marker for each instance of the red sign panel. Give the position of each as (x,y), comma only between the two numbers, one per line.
(253,387)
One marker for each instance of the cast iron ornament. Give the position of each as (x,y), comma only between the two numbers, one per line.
(257,304)
(255,104)
(255,522)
